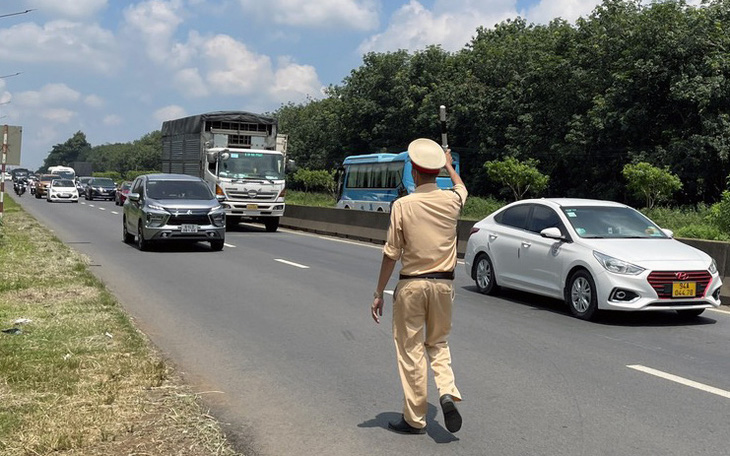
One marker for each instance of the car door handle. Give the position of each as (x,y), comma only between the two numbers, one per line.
(526,244)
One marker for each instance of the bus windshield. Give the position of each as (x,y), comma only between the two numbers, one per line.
(252,165)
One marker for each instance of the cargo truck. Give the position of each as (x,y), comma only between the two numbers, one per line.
(239,154)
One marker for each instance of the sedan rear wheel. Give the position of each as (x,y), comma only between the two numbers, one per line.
(142,243)
(581,295)
(484,275)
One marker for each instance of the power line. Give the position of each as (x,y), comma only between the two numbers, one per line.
(16,14)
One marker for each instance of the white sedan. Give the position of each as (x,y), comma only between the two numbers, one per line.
(593,254)
(62,190)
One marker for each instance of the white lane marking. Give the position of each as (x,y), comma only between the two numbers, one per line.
(115,212)
(91,205)
(290,263)
(102,209)
(680,380)
(229,245)
(722,311)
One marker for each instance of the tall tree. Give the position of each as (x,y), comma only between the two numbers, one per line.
(67,153)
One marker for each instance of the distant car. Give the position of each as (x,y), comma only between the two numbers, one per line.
(81,184)
(593,255)
(121,193)
(100,188)
(169,207)
(62,190)
(42,184)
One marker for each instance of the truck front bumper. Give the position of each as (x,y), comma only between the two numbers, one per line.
(257,209)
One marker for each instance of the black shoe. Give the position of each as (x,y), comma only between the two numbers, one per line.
(402,427)
(452,417)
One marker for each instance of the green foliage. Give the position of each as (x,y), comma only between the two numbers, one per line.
(702,231)
(314,180)
(720,213)
(476,208)
(113,175)
(74,149)
(131,175)
(652,183)
(520,177)
(315,199)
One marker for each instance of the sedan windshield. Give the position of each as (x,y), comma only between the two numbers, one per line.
(63,183)
(611,222)
(189,190)
(104,181)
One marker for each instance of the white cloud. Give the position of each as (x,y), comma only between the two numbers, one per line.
(189,82)
(112,120)
(238,70)
(59,115)
(570,10)
(450,24)
(94,101)
(352,14)
(68,8)
(156,21)
(169,112)
(292,81)
(60,42)
(50,94)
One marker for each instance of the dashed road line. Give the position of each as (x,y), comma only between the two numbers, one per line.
(101,208)
(229,245)
(722,311)
(115,212)
(680,380)
(291,263)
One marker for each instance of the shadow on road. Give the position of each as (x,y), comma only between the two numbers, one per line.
(609,318)
(438,433)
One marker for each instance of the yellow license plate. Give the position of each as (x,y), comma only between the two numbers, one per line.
(684,289)
(252,207)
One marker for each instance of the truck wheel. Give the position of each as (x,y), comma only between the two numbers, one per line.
(271,223)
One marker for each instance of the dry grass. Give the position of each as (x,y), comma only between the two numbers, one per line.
(78,378)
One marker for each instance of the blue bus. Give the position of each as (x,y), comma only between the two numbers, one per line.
(372,182)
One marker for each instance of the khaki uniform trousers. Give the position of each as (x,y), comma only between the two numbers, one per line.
(421,327)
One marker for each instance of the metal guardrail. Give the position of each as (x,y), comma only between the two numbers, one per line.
(372,227)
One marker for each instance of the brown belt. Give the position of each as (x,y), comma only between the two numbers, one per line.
(429,275)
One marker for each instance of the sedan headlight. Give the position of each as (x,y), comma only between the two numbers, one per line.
(617,266)
(713,267)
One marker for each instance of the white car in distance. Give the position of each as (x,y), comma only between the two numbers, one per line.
(62,190)
(592,254)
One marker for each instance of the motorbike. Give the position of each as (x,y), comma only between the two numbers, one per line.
(19,188)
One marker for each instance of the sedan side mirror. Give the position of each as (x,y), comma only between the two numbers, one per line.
(552,233)
(133,196)
(669,233)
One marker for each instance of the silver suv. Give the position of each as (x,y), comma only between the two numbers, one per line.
(167,207)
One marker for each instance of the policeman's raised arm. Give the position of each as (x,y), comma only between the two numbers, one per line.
(455,178)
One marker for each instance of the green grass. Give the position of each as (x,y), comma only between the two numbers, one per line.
(79,377)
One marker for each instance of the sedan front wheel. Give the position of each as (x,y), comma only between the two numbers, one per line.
(581,295)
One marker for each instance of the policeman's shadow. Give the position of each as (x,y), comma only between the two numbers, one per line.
(434,429)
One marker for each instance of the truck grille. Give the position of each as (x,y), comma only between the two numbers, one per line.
(261,196)
(661,281)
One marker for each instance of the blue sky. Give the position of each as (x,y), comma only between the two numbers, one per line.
(116,69)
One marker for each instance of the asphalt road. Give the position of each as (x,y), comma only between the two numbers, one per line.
(275,333)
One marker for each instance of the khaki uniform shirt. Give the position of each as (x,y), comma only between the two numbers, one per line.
(422,229)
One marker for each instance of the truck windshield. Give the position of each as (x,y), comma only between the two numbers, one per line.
(254,165)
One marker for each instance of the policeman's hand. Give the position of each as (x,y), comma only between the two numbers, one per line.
(449,160)
(377,309)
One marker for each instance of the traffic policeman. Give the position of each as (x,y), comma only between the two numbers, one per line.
(422,235)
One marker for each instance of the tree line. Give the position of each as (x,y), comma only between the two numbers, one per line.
(628,84)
